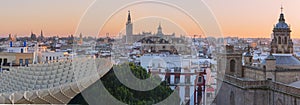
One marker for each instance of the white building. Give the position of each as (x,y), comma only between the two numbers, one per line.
(45,57)
(156,61)
(17,49)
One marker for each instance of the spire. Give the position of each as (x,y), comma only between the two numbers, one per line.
(159,27)
(129,27)
(42,36)
(281,19)
(129,17)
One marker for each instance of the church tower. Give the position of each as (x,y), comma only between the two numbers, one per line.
(129,25)
(80,39)
(159,31)
(281,38)
(230,62)
(42,34)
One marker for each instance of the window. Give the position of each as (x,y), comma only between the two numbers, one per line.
(279,40)
(177,79)
(187,79)
(5,61)
(232,66)
(26,62)
(208,94)
(200,80)
(22,50)
(21,61)
(285,40)
(177,69)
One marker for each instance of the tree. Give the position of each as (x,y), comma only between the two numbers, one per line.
(127,95)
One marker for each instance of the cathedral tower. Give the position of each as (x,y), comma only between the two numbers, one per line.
(129,25)
(281,38)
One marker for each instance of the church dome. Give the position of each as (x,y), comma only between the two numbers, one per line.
(281,23)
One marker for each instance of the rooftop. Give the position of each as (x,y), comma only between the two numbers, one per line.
(295,84)
(285,59)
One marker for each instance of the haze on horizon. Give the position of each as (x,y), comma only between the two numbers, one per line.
(251,18)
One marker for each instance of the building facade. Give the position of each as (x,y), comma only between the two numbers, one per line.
(267,84)
(273,81)
(8,60)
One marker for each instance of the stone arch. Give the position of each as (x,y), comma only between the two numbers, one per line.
(232,98)
(279,40)
(232,65)
(285,40)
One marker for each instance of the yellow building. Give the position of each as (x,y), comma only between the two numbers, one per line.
(24,58)
(15,59)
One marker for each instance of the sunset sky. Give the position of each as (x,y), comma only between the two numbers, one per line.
(243,18)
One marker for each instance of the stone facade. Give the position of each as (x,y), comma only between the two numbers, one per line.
(236,91)
(24,58)
(255,85)
(274,81)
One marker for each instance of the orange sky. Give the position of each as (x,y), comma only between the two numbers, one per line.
(251,18)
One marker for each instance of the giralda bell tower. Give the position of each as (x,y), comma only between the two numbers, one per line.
(129,25)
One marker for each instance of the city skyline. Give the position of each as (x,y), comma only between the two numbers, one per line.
(236,18)
(171,52)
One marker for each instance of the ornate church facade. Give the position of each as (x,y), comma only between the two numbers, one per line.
(281,37)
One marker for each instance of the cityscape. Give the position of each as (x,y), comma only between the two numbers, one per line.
(166,64)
